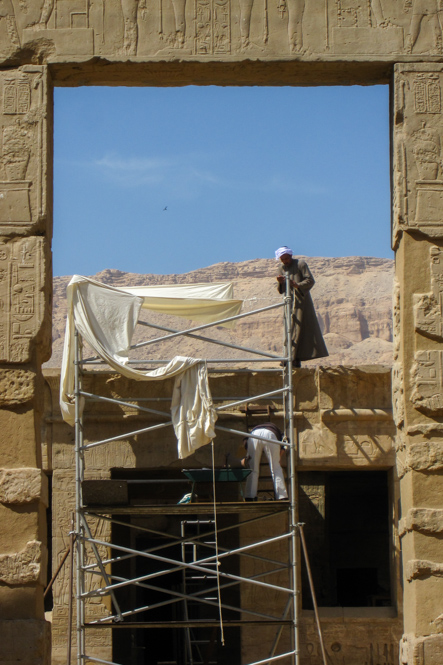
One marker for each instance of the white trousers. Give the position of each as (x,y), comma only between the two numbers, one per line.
(255,448)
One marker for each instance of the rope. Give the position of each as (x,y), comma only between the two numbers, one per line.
(216,549)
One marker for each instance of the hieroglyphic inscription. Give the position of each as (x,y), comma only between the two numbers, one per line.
(22,149)
(428,307)
(7,15)
(427,94)
(427,381)
(21,296)
(213,27)
(418,175)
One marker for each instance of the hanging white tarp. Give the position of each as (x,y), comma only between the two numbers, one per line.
(205,303)
(106,318)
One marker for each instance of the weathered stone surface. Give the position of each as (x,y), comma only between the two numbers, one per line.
(417,149)
(218,30)
(421,650)
(23,486)
(417,568)
(16,386)
(425,456)
(22,567)
(22,291)
(18,445)
(426,378)
(428,306)
(25,641)
(426,520)
(23,168)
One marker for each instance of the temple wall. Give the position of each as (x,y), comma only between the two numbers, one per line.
(25,334)
(343,422)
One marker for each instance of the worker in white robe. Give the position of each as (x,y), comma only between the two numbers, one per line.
(254,450)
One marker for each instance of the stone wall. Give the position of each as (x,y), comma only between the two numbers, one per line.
(343,422)
(25,327)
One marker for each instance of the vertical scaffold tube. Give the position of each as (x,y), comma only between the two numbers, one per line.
(292,465)
(78,507)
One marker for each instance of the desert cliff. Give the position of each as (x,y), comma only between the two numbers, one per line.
(352,297)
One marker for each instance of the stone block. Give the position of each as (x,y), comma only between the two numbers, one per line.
(426,520)
(25,641)
(25,166)
(22,567)
(21,524)
(17,386)
(21,602)
(18,445)
(417,568)
(425,456)
(420,650)
(23,486)
(417,170)
(24,291)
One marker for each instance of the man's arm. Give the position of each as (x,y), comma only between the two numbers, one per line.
(308,281)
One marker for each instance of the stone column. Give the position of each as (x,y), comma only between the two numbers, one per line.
(418,370)
(25,342)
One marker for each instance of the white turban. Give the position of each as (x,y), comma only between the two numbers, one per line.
(282,250)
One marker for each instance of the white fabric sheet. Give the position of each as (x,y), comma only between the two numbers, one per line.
(106,318)
(205,303)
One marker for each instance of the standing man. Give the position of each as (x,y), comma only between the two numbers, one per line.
(254,449)
(307,340)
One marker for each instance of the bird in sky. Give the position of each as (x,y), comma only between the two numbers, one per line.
(165,208)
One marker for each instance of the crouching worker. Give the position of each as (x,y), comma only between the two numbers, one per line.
(254,448)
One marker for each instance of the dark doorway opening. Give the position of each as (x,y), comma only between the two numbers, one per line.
(171,598)
(346,516)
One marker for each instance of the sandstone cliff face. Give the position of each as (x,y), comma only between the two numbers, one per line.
(352,297)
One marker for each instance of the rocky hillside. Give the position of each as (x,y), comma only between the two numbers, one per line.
(352,296)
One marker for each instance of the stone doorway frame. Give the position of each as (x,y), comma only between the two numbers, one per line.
(33,61)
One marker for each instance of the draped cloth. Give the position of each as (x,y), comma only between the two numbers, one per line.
(106,318)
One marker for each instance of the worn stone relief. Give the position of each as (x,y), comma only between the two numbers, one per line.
(427,382)
(427,370)
(398,404)
(418,172)
(347,445)
(21,296)
(22,150)
(139,28)
(428,307)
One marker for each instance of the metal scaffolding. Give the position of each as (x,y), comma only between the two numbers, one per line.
(206,594)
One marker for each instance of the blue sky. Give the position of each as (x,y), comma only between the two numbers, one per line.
(241,171)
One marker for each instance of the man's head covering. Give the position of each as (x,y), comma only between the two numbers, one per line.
(282,250)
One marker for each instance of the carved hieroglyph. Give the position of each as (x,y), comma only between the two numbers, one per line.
(428,307)
(23,150)
(418,171)
(200,28)
(22,298)
(427,381)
